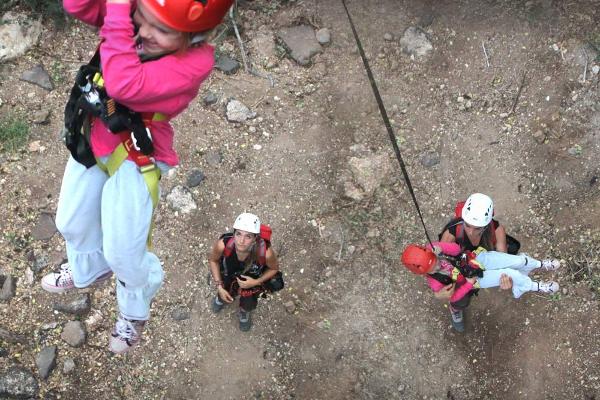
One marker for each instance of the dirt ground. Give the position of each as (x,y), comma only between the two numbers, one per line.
(362,327)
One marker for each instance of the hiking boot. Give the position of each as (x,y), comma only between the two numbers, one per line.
(216,305)
(550,265)
(125,335)
(245,320)
(549,287)
(62,280)
(458,321)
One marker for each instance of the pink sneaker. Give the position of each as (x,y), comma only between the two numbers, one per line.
(62,280)
(125,335)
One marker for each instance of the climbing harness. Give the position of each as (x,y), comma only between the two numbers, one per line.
(386,121)
(89,100)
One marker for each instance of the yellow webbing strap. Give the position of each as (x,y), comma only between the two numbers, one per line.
(150,173)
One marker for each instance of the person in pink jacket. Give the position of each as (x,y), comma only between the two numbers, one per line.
(455,276)
(149,66)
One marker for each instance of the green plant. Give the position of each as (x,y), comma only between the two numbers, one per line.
(13,132)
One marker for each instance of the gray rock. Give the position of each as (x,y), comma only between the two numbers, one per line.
(415,42)
(18,33)
(227,64)
(195,178)
(301,43)
(3,352)
(430,159)
(37,262)
(74,333)
(11,337)
(539,136)
(68,365)
(210,98)
(214,158)
(45,228)
(180,199)
(80,305)
(18,383)
(180,313)
(370,172)
(323,36)
(46,361)
(388,37)
(41,117)
(426,20)
(238,112)
(290,307)
(38,76)
(9,287)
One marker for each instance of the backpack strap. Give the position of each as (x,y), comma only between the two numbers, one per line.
(262,249)
(229,247)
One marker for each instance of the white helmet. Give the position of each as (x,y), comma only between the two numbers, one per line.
(478,210)
(247,222)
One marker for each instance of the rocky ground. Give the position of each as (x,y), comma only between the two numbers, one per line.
(495,96)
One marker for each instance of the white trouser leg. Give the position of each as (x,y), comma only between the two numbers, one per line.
(78,220)
(126,218)
(515,266)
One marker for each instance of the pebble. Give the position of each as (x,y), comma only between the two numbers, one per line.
(290,307)
(68,365)
(388,37)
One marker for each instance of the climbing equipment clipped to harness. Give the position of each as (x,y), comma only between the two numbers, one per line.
(386,121)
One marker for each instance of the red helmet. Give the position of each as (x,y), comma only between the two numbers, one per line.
(418,259)
(189,15)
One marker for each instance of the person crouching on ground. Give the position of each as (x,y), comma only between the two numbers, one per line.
(466,272)
(243,263)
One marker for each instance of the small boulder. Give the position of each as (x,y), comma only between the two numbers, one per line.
(9,287)
(227,64)
(180,199)
(415,42)
(323,36)
(46,361)
(301,43)
(74,333)
(18,383)
(79,305)
(38,76)
(238,111)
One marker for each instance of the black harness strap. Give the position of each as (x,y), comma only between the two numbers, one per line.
(386,121)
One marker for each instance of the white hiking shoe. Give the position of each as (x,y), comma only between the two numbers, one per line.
(62,280)
(549,287)
(550,265)
(125,335)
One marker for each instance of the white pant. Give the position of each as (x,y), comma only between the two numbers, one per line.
(517,267)
(105,222)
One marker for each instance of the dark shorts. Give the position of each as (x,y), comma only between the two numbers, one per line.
(464,302)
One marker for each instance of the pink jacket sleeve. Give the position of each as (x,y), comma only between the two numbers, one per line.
(450,249)
(91,12)
(165,85)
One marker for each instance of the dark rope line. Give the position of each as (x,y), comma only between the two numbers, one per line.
(386,121)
